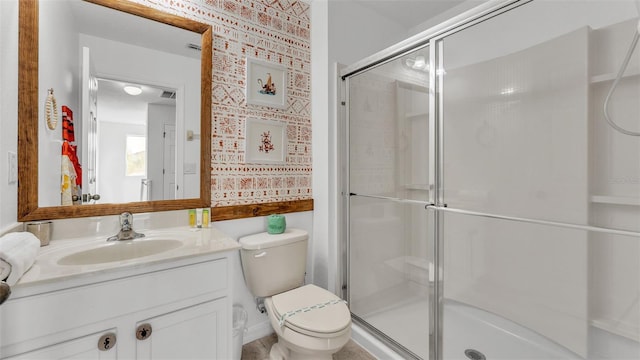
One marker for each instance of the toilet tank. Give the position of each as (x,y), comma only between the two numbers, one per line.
(273,264)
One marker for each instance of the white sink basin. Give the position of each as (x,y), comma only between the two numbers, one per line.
(120,251)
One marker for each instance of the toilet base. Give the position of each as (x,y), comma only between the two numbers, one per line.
(280,352)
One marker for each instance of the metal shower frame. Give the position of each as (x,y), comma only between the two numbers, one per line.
(435,206)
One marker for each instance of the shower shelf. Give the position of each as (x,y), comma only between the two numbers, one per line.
(616,200)
(612,76)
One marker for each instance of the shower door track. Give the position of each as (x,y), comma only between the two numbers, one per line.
(394,345)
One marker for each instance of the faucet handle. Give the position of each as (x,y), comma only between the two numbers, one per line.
(126,228)
(126,221)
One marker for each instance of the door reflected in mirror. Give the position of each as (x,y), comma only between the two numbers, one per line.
(136,124)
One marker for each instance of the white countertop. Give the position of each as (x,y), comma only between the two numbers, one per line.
(195,243)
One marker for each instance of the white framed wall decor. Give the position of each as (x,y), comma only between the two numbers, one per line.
(266,84)
(266,141)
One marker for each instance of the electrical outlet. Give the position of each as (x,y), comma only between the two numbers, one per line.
(13,167)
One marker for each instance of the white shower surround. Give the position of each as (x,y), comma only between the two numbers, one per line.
(468,327)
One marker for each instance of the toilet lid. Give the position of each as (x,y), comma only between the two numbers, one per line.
(312,309)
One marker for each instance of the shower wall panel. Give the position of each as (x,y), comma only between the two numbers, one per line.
(372,142)
(531,274)
(614,290)
(516,144)
(516,130)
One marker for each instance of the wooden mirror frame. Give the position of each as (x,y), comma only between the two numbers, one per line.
(28,106)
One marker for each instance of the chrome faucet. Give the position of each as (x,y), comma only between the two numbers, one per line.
(126,229)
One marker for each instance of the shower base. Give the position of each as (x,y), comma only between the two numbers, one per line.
(469,331)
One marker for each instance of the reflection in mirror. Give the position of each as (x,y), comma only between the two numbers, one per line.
(100,49)
(140,151)
(138,130)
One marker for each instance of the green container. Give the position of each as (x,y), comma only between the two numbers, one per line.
(276,224)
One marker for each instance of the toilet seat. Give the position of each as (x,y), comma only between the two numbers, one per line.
(312,311)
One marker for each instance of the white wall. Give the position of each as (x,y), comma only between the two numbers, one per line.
(454,11)
(342,32)
(323,193)
(58,63)
(8,109)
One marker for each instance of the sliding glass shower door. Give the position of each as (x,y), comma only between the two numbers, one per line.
(494,186)
(389,147)
(540,234)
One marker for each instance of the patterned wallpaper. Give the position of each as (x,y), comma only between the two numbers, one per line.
(276,31)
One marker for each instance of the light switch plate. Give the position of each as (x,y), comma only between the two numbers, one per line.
(189,168)
(13,167)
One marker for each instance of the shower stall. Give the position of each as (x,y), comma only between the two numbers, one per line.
(492,209)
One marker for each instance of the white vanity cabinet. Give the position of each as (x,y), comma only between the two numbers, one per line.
(81,348)
(190,333)
(174,310)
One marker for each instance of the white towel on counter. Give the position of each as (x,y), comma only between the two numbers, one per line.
(18,252)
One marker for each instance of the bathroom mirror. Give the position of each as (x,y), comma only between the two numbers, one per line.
(98,47)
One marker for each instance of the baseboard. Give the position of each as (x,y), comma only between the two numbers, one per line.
(257,331)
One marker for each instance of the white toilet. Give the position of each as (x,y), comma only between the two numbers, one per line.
(311,322)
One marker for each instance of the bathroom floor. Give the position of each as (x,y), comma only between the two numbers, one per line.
(259,350)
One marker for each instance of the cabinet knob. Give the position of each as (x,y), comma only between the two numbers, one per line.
(107,341)
(143,331)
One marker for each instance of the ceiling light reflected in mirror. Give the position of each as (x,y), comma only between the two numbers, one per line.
(133,90)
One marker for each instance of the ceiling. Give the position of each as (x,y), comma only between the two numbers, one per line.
(410,13)
(104,22)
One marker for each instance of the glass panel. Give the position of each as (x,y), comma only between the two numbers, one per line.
(515,290)
(524,129)
(388,157)
(527,280)
(526,135)
(388,119)
(390,273)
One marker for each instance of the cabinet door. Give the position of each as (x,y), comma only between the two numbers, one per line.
(83,348)
(196,332)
